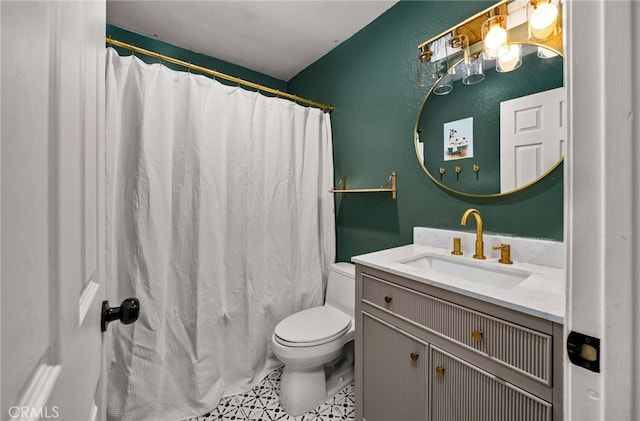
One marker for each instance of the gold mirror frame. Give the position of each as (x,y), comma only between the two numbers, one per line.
(471,27)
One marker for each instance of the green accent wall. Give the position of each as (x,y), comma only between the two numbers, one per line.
(170,50)
(371,80)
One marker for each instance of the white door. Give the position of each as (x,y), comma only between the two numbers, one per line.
(52,249)
(532,137)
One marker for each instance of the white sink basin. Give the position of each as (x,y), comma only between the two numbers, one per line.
(478,272)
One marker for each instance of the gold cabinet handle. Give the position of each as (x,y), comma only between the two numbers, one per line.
(414,356)
(440,371)
(477,335)
(387,299)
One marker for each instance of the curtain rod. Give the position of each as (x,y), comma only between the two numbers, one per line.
(217,74)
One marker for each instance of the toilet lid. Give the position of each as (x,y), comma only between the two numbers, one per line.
(314,325)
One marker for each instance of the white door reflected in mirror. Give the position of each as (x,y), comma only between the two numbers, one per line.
(532,137)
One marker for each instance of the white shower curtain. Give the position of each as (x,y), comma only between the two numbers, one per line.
(219,221)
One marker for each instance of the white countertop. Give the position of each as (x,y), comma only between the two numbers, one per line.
(542,294)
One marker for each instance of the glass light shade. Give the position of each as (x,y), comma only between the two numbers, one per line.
(494,35)
(455,45)
(444,85)
(509,58)
(424,74)
(441,80)
(543,17)
(546,53)
(474,70)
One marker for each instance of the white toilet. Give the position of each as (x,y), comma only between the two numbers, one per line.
(316,345)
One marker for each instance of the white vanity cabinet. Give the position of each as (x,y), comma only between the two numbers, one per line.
(425,353)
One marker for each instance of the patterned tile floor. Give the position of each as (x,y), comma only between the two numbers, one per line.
(262,404)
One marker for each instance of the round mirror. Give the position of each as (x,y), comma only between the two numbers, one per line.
(497,136)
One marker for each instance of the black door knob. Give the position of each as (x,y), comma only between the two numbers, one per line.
(127,313)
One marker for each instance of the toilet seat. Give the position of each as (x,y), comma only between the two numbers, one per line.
(313,326)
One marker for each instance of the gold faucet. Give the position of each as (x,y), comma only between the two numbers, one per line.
(505,253)
(479,243)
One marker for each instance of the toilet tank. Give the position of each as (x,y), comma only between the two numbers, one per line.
(341,287)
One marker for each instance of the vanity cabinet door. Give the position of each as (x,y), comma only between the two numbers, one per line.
(461,391)
(395,373)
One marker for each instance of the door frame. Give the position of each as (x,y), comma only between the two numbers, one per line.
(602,202)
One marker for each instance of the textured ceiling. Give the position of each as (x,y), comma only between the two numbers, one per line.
(276,38)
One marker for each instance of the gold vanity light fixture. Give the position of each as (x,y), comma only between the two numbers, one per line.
(542,17)
(457,43)
(494,36)
(443,72)
(496,44)
(471,65)
(425,79)
(425,53)
(498,33)
(429,71)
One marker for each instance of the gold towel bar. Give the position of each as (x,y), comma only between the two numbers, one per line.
(392,189)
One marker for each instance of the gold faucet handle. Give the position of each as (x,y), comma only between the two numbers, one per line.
(456,246)
(505,253)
